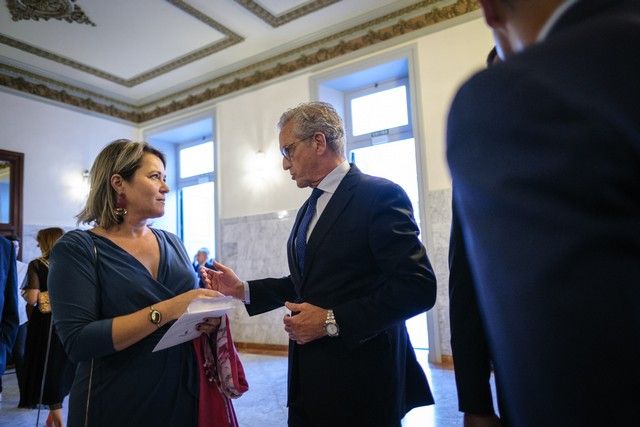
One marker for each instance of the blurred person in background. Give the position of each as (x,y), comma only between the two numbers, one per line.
(42,344)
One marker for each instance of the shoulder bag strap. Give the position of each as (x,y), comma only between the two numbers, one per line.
(86,411)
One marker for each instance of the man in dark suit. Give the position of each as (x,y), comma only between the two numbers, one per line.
(358,271)
(544,151)
(470,350)
(469,347)
(8,302)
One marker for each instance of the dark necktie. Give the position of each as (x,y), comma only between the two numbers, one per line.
(301,235)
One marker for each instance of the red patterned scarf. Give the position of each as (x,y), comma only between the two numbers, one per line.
(221,378)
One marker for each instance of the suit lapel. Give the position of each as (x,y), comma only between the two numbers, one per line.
(330,215)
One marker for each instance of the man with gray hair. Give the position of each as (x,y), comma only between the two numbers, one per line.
(544,151)
(357,272)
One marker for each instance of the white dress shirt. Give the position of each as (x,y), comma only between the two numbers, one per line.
(328,185)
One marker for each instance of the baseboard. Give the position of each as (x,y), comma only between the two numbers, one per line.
(446,361)
(258,348)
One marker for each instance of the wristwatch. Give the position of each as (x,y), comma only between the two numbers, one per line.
(330,325)
(155,316)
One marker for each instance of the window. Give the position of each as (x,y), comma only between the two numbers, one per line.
(378,114)
(196,196)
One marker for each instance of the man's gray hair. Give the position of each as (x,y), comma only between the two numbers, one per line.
(312,117)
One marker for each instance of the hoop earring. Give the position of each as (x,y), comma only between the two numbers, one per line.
(120,211)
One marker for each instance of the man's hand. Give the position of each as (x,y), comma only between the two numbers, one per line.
(306,323)
(223,280)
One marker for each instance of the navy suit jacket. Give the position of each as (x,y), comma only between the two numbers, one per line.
(364,260)
(8,300)
(544,150)
(469,347)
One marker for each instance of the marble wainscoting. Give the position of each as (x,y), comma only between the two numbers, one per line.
(255,247)
(439,220)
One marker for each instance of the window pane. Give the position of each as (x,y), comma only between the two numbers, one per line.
(5,192)
(198,218)
(381,110)
(395,161)
(196,159)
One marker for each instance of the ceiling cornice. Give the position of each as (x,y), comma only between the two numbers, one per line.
(276,21)
(409,19)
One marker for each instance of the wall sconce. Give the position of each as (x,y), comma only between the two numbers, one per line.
(84,186)
(260,169)
(260,163)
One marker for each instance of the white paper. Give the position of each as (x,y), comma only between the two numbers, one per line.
(184,329)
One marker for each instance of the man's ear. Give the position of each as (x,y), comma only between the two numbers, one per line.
(321,142)
(493,12)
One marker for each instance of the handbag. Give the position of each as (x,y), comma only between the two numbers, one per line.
(44,305)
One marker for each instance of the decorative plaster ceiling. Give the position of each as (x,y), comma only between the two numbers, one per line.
(147,58)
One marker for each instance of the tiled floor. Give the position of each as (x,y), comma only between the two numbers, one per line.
(265,403)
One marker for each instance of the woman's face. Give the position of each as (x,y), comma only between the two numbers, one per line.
(145,193)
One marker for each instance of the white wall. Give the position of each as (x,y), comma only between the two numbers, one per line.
(446,59)
(246,125)
(58,144)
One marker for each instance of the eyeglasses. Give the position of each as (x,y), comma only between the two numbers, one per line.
(287,150)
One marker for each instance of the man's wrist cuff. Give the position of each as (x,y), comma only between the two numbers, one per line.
(247,294)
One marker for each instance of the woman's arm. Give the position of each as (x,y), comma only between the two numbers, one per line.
(75,297)
(32,290)
(131,328)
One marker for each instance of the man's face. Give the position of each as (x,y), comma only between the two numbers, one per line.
(302,162)
(201,257)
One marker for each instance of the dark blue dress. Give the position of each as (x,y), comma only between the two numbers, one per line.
(131,387)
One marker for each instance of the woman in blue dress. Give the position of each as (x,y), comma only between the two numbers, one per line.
(115,288)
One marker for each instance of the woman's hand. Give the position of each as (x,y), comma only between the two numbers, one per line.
(173,308)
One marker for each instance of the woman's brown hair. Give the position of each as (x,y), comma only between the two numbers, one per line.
(122,157)
(46,239)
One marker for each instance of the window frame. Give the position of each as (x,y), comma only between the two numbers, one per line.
(382,136)
(202,178)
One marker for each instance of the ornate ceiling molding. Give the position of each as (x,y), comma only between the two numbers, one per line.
(276,21)
(63,10)
(412,18)
(230,39)
(9,71)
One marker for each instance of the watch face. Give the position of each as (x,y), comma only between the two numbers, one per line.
(332,329)
(155,316)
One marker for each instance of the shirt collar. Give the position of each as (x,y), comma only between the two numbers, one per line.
(330,183)
(554,18)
